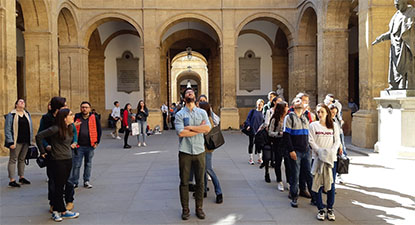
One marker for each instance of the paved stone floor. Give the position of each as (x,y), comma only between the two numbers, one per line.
(140,186)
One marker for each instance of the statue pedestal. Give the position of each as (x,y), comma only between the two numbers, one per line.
(396,123)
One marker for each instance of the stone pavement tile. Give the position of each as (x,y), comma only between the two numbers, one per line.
(146,204)
(20,219)
(357,213)
(255,215)
(109,218)
(168,216)
(231,202)
(97,206)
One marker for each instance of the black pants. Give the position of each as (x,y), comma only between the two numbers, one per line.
(69,188)
(172,122)
(251,145)
(126,135)
(279,156)
(165,127)
(60,171)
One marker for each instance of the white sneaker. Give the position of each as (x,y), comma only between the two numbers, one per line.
(139,144)
(280,186)
(113,135)
(118,137)
(321,215)
(260,161)
(56,216)
(251,162)
(87,185)
(339,179)
(208,177)
(144,144)
(330,215)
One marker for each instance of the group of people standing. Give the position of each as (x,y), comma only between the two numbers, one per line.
(64,140)
(124,118)
(308,144)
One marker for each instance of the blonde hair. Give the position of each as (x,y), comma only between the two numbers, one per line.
(259,101)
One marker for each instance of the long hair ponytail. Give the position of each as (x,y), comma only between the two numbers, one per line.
(64,129)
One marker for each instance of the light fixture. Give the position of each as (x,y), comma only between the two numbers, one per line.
(189,68)
(189,53)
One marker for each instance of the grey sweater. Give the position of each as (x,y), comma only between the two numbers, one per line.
(61,149)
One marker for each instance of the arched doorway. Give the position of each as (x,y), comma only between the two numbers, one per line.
(262,61)
(199,38)
(115,63)
(188,67)
(20,53)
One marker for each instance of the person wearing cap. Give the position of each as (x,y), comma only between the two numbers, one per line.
(296,130)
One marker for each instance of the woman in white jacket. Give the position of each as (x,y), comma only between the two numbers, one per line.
(325,142)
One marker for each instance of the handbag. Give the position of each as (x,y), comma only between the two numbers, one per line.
(214,139)
(41,162)
(342,164)
(135,129)
(32,153)
(245,130)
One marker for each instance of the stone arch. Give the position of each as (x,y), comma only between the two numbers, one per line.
(67,28)
(282,23)
(190,17)
(259,33)
(196,54)
(184,34)
(94,23)
(188,75)
(337,14)
(36,15)
(307,26)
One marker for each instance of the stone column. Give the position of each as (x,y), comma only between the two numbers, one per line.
(151,70)
(303,76)
(8,85)
(73,76)
(373,69)
(333,68)
(229,111)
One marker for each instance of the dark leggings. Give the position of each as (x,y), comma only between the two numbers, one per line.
(251,145)
(126,134)
(60,171)
(277,154)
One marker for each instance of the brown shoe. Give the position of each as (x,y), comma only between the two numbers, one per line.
(200,214)
(305,193)
(69,206)
(185,213)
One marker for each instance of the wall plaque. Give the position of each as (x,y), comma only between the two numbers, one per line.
(127,73)
(249,72)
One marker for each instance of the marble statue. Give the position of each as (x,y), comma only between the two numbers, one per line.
(402,36)
(280,92)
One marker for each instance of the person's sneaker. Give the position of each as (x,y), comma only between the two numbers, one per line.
(23,181)
(185,214)
(294,203)
(14,184)
(260,161)
(69,215)
(118,137)
(113,135)
(339,179)
(75,186)
(219,198)
(330,215)
(200,214)
(251,162)
(144,144)
(56,216)
(139,144)
(267,178)
(69,206)
(87,185)
(127,146)
(305,194)
(321,215)
(280,186)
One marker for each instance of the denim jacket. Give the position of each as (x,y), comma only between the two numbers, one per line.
(11,125)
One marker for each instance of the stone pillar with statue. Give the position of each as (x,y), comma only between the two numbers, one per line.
(396,104)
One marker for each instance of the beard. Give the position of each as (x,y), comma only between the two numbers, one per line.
(189,99)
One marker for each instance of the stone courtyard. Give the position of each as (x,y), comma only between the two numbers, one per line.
(140,186)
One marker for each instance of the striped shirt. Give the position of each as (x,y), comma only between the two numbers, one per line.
(296,131)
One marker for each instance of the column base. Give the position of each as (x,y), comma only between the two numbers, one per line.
(365,128)
(155,118)
(229,118)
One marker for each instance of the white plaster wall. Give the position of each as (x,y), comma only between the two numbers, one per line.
(265,27)
(261,49)
(113,51)
(107,29)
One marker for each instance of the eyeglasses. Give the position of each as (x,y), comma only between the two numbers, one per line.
(85,107)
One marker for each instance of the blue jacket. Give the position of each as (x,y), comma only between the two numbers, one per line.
(255,119)
(9,132)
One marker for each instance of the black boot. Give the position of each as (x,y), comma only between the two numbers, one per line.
(267,179)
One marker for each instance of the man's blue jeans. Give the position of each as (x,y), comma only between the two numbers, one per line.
(330,194)
(302,162)
(212,174)
(88,153)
